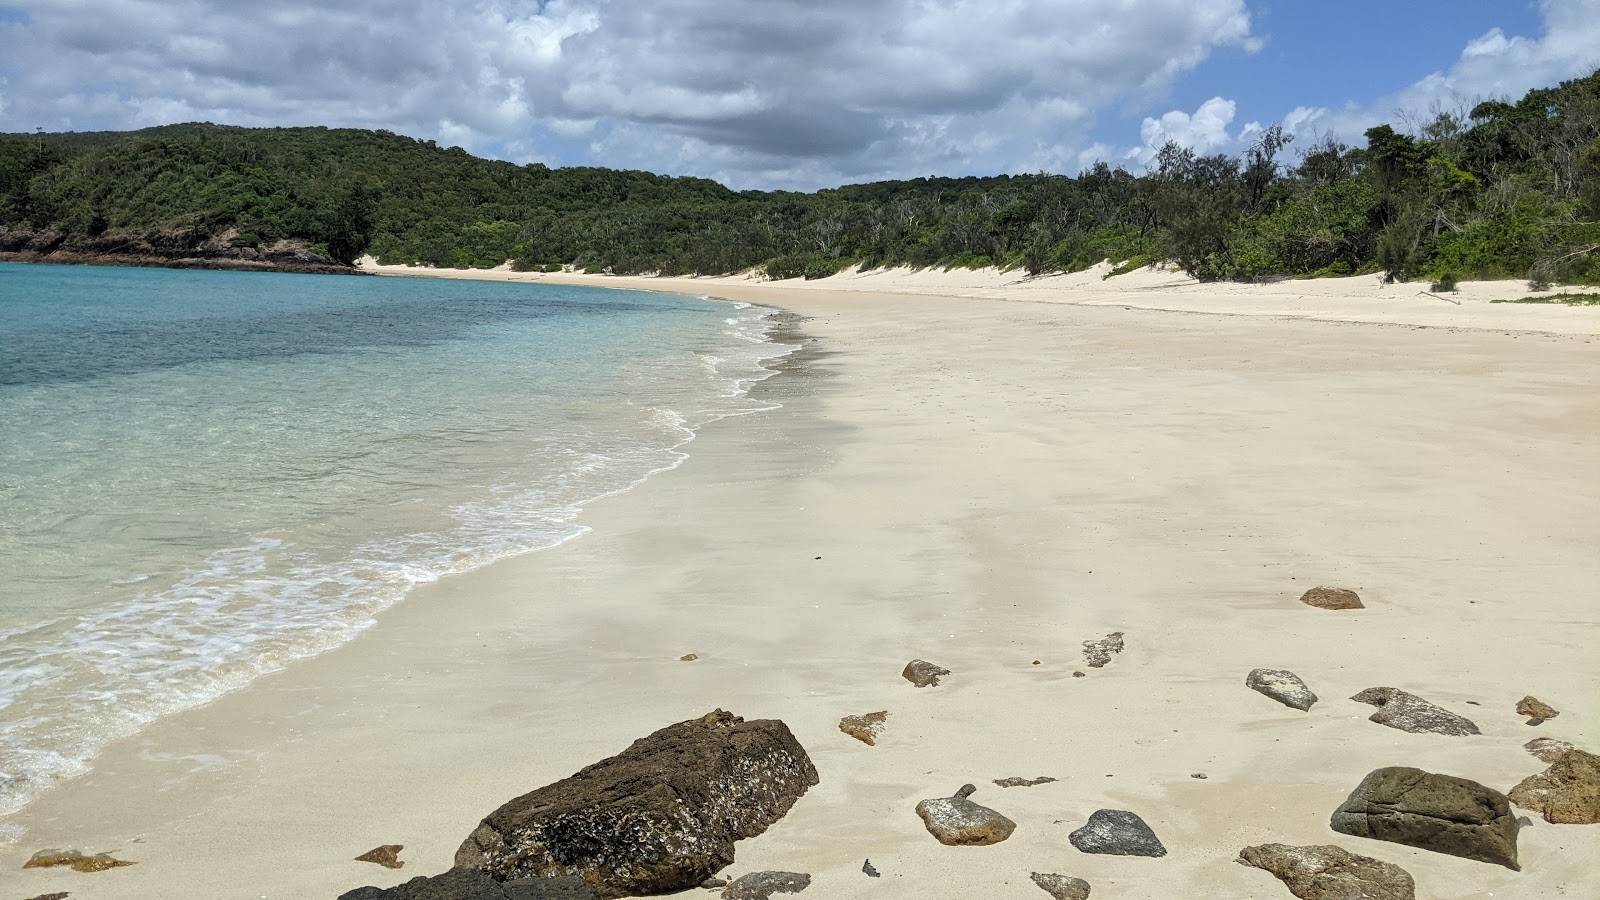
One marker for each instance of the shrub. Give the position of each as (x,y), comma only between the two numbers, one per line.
(1538,285)
(1445,285)
(1137,262)
(791,266)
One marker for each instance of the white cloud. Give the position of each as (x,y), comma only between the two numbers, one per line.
(795,92)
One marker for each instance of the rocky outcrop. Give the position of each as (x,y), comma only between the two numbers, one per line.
(1283,686)
(1098,653)
(470,884)
(865,728)
(958,822)
(1117,832)
(1326,872)
(922,673)
(1536,710)
(1547,750)
(1408,712)
(660,816)
(1567,793)
(1061,887)
(1441,813)
(1332,598)
(387,856)
(762,885)
(75,860)
(173,249)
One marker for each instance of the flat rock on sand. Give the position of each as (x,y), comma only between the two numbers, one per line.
(663,815)
(1547,750)
(1061,887)
(469,884)
(761,885)
(1332,598)
(387,856)
(1408,712)
(1326,872)
(75,860)
(1441,813)
(922,673)
(1119,833)
(1283,686)
(1098,653)
(1567,793)
(958,822)
(865,728)
(1015,781)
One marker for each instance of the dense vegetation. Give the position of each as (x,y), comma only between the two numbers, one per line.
(1507,190)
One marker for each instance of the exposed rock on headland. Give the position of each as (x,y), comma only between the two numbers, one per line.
(1326,872)
(922,673)
(1119,833)
(1061,887)
(958,822)
(1283,686)
(1441,813)
(1567,793)
(173,249)
(865,728)
(1098,653)
(1408,712)
(1332,598)
(660,816)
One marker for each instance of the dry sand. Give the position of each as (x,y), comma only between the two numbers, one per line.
(981,484)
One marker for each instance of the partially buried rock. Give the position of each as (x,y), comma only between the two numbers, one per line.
(1098,653)
(714,884)
(1014,781)
(387,856)
(1408,712)
(1441,813)
(922,673)
(1119,833)
(1547,750)
(865,728)
(1282,686)
(958,822)
(1061,887)
(58,896)
(1326,872)
(689,657)
(1332,598)
(1567,793)
(74,859)
(761,885)
(469,884)
(1536,710)
(870,870)
(661,816)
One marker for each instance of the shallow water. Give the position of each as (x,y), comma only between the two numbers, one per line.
(207,475)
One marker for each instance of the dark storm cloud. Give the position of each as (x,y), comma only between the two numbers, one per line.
(768,92)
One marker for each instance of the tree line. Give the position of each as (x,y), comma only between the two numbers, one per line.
(1502,190)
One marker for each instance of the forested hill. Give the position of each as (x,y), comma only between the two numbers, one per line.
(1503,190)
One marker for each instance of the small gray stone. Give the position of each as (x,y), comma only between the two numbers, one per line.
(714,884)
(1408,712)
(1327,872)
(1117,832)
(923,674)
(870,869)
(762,885)
(1098,653)
(1332,598)
(1283,686)
(1061,887)
(958,822)
(1441,813)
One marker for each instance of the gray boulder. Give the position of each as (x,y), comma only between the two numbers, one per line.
(1061,887)
(661,816)
(1117,832)
(762,885)
(1283,686)
(469,884)
(1326,872)
(1408,712)
(958,822)
(1441,813)
(1098,653)
(922,673)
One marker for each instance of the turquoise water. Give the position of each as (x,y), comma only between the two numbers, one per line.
(207,475)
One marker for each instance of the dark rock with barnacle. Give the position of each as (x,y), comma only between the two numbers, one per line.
(661,816)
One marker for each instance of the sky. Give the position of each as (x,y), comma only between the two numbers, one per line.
(795,94)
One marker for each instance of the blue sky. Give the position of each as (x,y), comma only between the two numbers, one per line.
(786,93)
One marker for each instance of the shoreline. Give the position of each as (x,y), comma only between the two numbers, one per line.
(985,485)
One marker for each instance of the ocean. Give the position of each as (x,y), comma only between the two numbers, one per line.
(205,476)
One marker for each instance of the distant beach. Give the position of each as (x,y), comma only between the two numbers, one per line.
(985,471)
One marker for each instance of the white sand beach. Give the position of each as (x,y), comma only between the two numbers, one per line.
(983,471)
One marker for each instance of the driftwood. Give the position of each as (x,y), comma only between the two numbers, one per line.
(1437,297)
